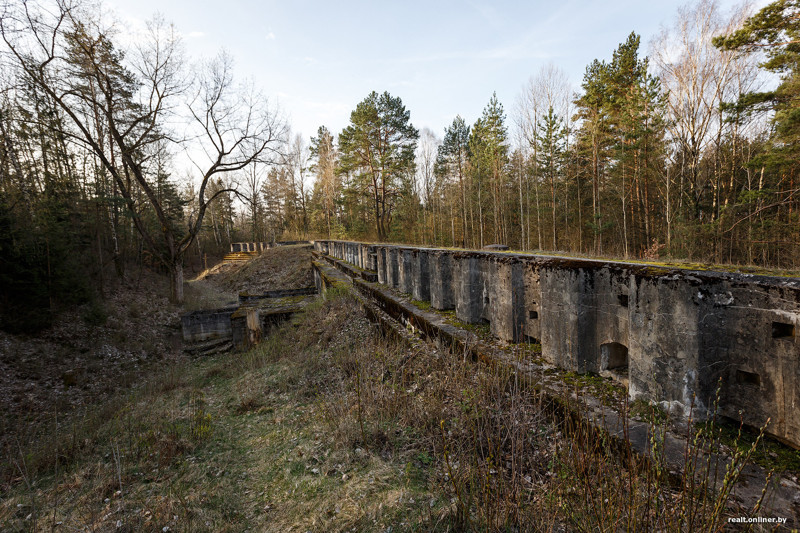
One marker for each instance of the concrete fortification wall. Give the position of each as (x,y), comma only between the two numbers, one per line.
(672,336)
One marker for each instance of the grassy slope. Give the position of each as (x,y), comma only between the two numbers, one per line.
(235,442)
(284,267)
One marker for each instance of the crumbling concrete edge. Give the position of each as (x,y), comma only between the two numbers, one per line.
(389,327)
(586,412)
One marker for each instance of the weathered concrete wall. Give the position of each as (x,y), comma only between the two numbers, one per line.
(672,336)
(421,278)
(261,246)
(440,271)
(469,287)
(249,246)
(204,325)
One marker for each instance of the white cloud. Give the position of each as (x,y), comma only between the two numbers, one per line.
(195,34)
(270,36)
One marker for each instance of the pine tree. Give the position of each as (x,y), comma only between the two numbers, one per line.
(378,148)
(451,164)
(323,165)
(551,153)
(488,148)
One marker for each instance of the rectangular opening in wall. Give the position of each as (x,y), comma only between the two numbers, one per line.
(623,300)
(532,340)
(748,378)
(613,356)
(533,315)
(781,330)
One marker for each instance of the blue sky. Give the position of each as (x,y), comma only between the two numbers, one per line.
(319,59)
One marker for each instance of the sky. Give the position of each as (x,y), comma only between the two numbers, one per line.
(318,60)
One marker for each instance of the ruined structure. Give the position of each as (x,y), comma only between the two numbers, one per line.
(238,247)
(241,325)
(672,336)
(249,246)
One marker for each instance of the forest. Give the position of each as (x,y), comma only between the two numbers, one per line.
(683,148)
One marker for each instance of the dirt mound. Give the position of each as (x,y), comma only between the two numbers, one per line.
(283,267)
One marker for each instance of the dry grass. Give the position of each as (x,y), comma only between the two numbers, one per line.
(284,267)
(325,426)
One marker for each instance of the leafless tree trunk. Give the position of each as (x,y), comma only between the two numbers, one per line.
(137,96)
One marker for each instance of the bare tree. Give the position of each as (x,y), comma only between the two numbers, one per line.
(296,162)
(427,150)
(122,103)
(548,89)
(254,179)
(699,78)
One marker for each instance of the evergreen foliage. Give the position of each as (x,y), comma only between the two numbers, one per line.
(377,149)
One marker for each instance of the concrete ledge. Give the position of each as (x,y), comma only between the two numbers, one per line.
(671,336)
(587,413)
(351,270)
(245,297)
(204,325)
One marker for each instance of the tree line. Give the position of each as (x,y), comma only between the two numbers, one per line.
(680,153)
(687,151)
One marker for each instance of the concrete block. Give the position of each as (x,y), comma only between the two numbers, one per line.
(405,266)
(748,348)
(566,318)
(203,325)
(370,256)
(507,298)
(468,285)
(392,267)
(380,266)
(421,284)
(440,266)
(664,343)
(532,304)
(671,335)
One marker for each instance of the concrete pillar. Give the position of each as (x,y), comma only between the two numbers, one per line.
(468,285)
(405,261)
(364,256)
(392,267)
(421,286)
(506,311)
(568,316)
(317,281)
(440,266)
(380,255)
(665,335)
(533,300)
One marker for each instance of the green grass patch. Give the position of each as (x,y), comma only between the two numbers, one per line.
(769,453)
